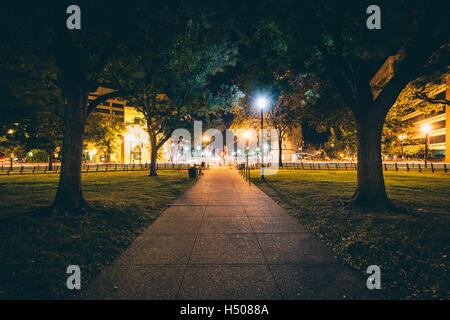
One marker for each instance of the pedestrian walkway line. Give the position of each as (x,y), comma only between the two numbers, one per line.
(190,255)
(226,239)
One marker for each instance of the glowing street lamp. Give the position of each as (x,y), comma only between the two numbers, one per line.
(205,140)
(262,102)
(426,128)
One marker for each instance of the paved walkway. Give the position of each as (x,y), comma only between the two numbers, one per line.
(224,239)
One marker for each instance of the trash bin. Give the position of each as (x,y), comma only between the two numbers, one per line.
(192,172)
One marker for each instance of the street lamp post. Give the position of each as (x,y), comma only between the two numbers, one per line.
(11,155)
(205,141)
(262,103)
(426,128)
(402,140)
(246,136)
(131,148)
(262,143)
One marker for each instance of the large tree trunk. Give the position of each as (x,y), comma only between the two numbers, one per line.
(370,189)
(280,152)
(50,159)
(153,154)
(69,196)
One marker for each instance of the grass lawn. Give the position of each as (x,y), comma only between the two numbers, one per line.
(35,249)
(411,249)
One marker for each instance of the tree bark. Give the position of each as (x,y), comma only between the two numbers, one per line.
(50,159)
(153,154)
(370,189)
(280,152)
(69,197)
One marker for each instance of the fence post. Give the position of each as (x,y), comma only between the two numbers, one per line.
(396,167)
(345,165)
(407,167)
(432,168)
(385,167)
(21,169)
(97,167)
(445,168)
(34,169)
(420,169)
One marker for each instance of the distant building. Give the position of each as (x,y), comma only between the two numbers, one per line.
(134,144)
(439,136)
(291,146)
(136,139)
(110,109)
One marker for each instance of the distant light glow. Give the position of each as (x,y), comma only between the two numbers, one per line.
(262,102)
(426,128)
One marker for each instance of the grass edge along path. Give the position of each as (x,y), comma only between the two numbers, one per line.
(36,249)
(411,249)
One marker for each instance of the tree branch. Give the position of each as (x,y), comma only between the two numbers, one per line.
(421,95)
(410,60)
(107,96)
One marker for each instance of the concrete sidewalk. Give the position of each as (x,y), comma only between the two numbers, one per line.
(224,239)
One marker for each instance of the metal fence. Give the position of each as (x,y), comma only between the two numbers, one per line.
(88,168)
(351,166)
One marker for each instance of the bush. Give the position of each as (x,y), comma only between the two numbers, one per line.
(37,155)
